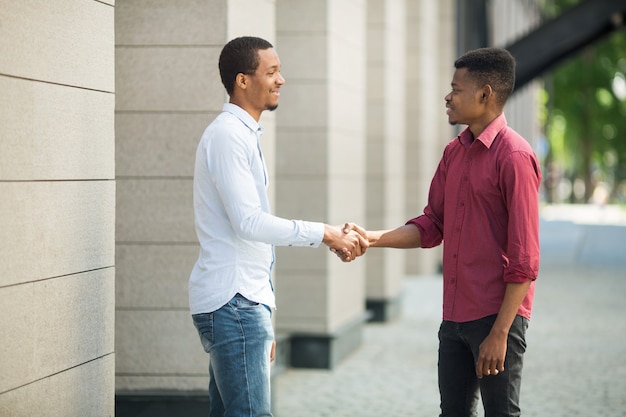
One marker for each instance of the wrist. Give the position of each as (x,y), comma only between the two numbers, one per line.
(499,331)
(372,237)
(329,234)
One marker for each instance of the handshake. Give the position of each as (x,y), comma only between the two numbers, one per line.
(347,242)
(351,240)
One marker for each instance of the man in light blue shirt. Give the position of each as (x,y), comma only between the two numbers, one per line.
(230,290)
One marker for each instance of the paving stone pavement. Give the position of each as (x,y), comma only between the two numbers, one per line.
(575,364)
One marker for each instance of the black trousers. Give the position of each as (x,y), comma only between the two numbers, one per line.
(458,384)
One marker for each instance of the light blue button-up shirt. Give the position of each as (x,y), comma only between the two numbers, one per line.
(232,216)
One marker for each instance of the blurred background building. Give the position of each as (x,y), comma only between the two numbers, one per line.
(102,106)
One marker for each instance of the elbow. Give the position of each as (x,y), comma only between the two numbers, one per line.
(243,230)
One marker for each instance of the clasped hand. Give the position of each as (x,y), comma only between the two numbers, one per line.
(347,241)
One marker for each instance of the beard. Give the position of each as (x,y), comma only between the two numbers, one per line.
(272,107)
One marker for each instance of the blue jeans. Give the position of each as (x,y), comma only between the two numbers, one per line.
(238,338)
(458,384)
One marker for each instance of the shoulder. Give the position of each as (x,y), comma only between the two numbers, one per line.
(513,141)
(452,145)
(516,156)
(227,136)
(226,127)
(511,147)
(225,122)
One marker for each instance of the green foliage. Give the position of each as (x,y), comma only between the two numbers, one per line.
(586,119)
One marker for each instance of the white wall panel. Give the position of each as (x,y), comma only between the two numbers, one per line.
(153,276)
(85,391)
(166,22)
(52,132)
(67,42)
(158,144)
(53,325)
(153,342)
(165,79)
(51,229)
(155,210)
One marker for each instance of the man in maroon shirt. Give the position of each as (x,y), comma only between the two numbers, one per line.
(483,204)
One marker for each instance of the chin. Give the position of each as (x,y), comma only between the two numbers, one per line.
(272,107)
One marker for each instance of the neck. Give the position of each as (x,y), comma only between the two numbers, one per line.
(256,115)
(477,127)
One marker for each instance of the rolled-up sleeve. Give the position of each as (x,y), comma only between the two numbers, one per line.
(520,178)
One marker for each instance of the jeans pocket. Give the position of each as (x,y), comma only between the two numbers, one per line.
(239,302)
(204,324)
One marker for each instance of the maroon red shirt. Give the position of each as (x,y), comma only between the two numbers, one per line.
(484,205)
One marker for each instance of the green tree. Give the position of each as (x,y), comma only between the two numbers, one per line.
(586,122)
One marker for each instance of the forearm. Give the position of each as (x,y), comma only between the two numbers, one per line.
(267,228)
(403,237)
(513,297)
(492,351)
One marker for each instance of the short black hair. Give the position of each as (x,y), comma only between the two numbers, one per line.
(240,55)
(493,66)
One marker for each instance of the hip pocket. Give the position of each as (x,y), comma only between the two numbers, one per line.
(204,325)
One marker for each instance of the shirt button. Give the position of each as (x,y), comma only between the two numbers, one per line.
(311,244)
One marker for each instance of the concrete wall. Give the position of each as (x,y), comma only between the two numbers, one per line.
(57,208)
(386,143)
(319,165)
(103,105)
(168,91)
(430,52)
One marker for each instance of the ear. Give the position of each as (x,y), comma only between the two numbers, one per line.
(241,81)
(486,92)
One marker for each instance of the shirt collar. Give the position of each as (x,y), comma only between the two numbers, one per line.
(488,135)
(244,116)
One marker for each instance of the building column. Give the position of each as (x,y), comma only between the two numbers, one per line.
(385,189)
(430,58)
(168,91)
(320,172)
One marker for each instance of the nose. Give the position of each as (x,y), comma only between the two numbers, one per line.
(447,98)
(280,80)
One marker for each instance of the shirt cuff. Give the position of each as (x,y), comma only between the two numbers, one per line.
(430,235)
(317,234)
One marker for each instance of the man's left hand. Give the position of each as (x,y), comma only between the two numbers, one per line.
(491,354)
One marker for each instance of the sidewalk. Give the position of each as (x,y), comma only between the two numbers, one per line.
(575,364)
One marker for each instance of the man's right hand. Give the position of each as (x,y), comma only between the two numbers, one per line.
(347,244)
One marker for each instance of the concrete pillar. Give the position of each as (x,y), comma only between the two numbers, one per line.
(168,91)
(385,189)
(57,208)
(430,58)
(320,156)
